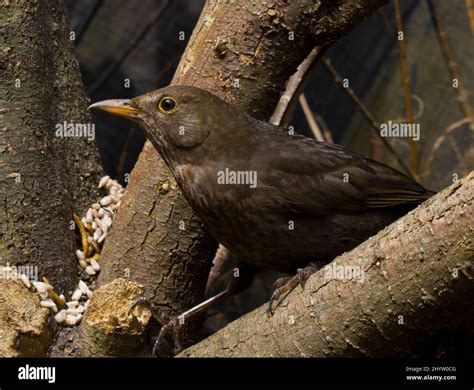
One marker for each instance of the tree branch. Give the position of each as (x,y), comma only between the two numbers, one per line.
(416,278)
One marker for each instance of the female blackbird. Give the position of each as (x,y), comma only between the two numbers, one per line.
(275,200)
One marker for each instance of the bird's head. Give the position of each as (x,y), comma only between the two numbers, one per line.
(175,118)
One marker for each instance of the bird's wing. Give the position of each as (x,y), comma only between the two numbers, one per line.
(318,178)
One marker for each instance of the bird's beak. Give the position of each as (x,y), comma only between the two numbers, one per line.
(119,107)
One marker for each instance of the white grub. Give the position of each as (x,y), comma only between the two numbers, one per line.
(101,212)
(105,229)
(44,295)
(94,225)
(90,294)
(109,210)
(72,304)
(72,311)
(60,317)
(78,318)
(25,280)
(47,303)
(90,271)
(113,190)
(54,309)
(62,298)
(96,206)
(115,198)
(83,264)
(98,222)
(83,220)
(89,215)
(95,213)
(80,309)
(95,265)
(102,238)
(86,305)
(104,181)
(70,320)
(42,287)
(76,295)
(106,221)
(80,255)
(116,205)
(104,233)
(106,200)
(97,234)
(109,184)
(83,287)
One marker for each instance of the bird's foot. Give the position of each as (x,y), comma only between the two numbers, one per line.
(283,286)
(169,324)
(175,324)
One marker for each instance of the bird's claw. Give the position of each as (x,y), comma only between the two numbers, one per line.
(141,301)
(284,286)
(174,326)
(169,324)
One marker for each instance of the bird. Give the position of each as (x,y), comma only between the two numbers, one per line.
(275,199)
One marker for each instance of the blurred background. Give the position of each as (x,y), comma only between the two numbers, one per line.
(129,47)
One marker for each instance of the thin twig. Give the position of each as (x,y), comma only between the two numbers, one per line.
(470,13)
(132,45)
(388,26)
(406,86)
(451,63)
(88,19)
(443,136)
(363,110)
(310,119)
(323,125)
(286,106)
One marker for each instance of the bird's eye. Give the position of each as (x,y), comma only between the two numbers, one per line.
(167,105)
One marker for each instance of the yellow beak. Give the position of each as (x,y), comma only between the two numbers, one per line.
(119,107)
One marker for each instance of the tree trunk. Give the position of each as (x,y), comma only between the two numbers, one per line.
(244,52)
(44,178)
(416,279)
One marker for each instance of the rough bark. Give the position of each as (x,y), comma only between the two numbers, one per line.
(242,51)
(43,178)
(418,279)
